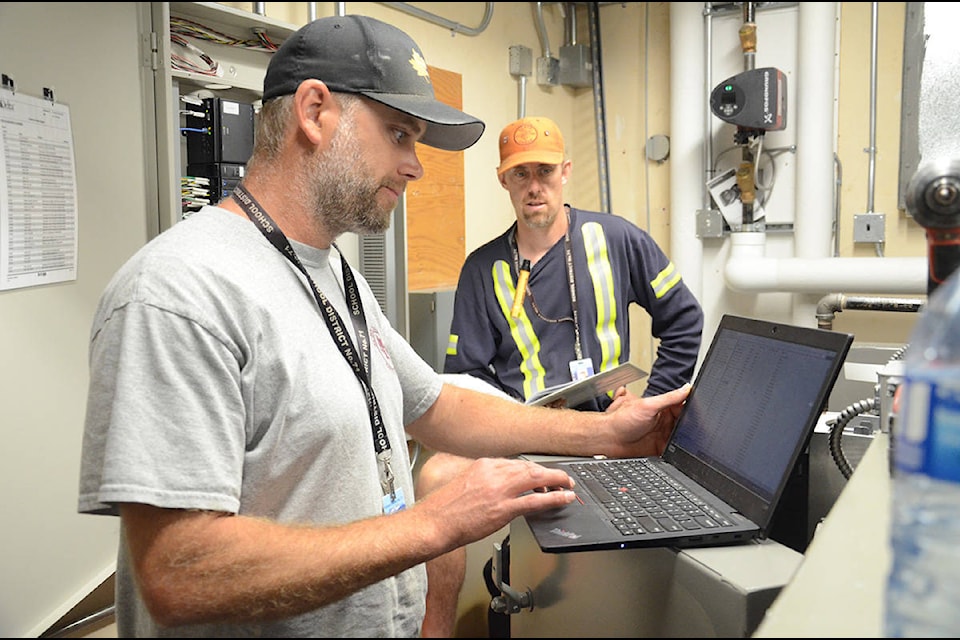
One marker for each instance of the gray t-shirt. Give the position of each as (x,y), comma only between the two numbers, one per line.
(215,384)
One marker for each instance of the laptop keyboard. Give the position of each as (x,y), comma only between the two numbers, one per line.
(641,499)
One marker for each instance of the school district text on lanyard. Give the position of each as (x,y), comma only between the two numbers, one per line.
(392,495)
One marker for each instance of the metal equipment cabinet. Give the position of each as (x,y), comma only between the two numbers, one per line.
(242,80)
(721,592)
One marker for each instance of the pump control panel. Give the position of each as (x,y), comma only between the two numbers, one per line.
(753,99)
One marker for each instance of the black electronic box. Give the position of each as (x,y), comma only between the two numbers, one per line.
(223,135)
(223,177)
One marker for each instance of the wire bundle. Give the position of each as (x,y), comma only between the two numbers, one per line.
(184,27)
(196,60)
(207,65)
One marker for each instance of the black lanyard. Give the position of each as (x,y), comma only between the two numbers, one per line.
(571,279)
(360,363)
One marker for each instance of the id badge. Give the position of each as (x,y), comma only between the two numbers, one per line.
(394,502)
(580,369)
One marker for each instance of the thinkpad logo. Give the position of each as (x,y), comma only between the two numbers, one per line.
(564,533)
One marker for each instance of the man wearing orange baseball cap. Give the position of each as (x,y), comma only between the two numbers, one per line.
(583,270)
(547,302)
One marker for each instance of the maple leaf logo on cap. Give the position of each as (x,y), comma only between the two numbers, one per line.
(419,65)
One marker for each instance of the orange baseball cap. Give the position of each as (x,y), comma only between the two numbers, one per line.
(530,140)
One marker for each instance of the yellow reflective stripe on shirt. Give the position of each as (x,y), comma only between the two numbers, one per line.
(665,280)
(452,344)
(534,376)
(601,276)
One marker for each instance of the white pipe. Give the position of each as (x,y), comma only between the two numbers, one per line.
(814,119)
(687,100)
(813,271)
(747,270)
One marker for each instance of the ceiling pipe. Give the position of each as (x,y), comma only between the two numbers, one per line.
(456,27)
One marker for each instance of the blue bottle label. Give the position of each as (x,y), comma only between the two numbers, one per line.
(928,433)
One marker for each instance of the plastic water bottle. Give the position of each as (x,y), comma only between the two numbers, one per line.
(923,586)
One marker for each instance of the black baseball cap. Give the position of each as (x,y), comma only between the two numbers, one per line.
(359,54)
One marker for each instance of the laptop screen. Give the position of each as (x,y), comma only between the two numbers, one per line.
(753,408)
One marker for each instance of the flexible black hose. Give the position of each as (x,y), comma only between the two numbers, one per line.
(836,432)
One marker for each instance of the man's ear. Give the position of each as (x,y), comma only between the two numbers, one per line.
(313,105)
(503,180)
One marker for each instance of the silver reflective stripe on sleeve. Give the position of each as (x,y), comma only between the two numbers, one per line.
(601,277)
(665,280)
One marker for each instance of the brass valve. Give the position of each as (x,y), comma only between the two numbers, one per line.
(745,182)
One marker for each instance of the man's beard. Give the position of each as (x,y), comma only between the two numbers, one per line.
(540,220)
(343,191)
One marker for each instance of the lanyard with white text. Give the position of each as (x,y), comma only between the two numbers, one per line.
(361,364)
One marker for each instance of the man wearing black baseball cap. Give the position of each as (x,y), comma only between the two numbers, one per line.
(355,54)
(249,403)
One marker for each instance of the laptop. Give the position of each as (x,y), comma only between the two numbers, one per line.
(749,416)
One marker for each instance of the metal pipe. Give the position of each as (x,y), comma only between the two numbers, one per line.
(835,225)
(522,97)
(542,30)
(748,36)
(456,27)
(707,114)
(834,303)
(599,106)
(747,169)
(571,23)
(872,151)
